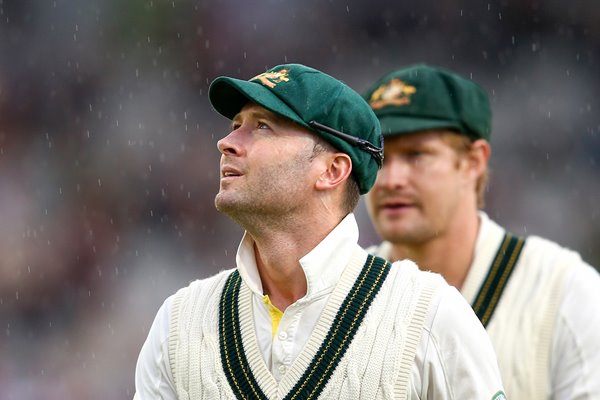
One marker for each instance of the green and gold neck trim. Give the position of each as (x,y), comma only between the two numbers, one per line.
(339,337)
(495,282)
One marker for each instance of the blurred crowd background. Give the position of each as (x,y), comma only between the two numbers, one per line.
(109,166)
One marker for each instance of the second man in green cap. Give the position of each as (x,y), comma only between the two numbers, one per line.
(537,300)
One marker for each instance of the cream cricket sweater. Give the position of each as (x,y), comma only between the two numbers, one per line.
(376,364)
(524,323)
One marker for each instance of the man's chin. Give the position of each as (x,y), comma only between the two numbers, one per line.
(400,233)
(233,205)
(224,203)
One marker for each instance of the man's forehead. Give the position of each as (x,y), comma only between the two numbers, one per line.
(416,138)
(255,111)
(419,135)
(252,109)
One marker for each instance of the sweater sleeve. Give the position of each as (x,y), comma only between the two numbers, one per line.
(456,356)
(153,379)
(576,344)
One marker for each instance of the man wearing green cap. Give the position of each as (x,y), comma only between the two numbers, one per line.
(307,313)
(537,300)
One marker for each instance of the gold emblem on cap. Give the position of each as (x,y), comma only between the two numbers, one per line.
(392,93)
(272,78)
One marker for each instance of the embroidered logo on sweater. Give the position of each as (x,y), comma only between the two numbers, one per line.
(499,396)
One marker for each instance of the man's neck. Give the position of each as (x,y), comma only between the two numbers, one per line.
(450,255)
(278,253)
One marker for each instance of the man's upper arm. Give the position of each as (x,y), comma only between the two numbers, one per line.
(460,360)
(576,343)
(153,378)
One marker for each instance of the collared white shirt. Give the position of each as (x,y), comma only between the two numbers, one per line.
(454,359)
(322,267)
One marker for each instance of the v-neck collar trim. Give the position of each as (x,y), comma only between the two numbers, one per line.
(268,384)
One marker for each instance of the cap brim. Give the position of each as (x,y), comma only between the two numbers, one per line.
(229,95)
(393,125)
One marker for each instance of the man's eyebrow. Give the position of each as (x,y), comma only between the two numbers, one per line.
(257,114)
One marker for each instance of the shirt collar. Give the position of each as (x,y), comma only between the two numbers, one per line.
(488,239)
(322,266)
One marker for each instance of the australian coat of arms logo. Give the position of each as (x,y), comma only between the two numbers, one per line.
(392,93)
(272,78)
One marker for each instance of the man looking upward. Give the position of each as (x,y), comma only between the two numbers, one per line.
(307,313)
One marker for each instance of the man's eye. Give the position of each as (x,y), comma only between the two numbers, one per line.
(262,125)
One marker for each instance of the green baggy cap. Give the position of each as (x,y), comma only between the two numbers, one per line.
(315,101)
(422,97)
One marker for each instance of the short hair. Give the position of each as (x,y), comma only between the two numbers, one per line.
(462,144)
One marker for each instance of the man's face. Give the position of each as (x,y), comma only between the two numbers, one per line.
(265,165)
(420,188)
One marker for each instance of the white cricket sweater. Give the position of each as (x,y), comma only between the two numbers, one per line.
(454,357)
(546,323)
(376,365)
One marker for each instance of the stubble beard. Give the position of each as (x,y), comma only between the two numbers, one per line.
(270,199)
(245,209)
(407,233)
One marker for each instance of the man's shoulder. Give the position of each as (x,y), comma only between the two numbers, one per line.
(380,250)
(539,254)
(372,249)
(544,253)
(406,269)
(206,285)
(406,276)
(553,272)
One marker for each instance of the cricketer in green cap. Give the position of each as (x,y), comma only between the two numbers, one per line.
(295,318)
(421,97)
(427,206)
(315,101)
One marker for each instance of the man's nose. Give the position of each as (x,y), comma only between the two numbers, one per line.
(232,143)
(393,174)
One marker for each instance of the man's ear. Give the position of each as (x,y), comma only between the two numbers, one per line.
(479,156)
(339,168)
